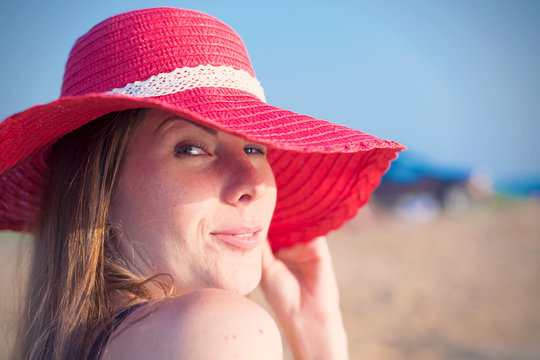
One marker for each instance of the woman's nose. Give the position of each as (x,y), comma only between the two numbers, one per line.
(245,183)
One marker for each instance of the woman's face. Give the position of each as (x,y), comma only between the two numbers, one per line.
(194,203)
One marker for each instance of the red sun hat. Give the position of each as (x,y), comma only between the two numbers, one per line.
(191,64)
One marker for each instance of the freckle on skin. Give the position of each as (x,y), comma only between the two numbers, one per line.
(234,336)
(261,331)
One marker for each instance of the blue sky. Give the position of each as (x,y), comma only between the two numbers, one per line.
(458,82)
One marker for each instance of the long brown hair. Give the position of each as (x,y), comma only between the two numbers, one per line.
(76,271)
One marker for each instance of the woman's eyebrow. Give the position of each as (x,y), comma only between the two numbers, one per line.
(174,117)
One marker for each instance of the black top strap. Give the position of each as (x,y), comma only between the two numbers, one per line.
(103,338)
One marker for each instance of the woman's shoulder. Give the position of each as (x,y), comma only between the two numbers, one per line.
(204,324)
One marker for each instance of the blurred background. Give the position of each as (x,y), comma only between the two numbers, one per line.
(444,262)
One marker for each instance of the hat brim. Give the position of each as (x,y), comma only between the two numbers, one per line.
(324,172)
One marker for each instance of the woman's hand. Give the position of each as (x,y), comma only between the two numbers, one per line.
(300,285)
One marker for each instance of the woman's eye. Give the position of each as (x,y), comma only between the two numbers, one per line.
(255,150)
(188,149)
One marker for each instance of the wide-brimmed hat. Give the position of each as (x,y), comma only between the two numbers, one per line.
(193,65)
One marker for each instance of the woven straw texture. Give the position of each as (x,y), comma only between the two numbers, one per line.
(324,172)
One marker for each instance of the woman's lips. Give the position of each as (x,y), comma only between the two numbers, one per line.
(247,239)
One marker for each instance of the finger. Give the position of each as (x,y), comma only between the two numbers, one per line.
(314,250)
(274,271)
(276,279)
(268,258)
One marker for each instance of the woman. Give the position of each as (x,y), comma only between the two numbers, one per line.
(152,185)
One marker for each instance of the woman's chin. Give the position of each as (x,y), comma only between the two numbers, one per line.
(241,283)
(232,275)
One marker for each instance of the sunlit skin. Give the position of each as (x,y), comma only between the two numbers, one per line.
(194,203)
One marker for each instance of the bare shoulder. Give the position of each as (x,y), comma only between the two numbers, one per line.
(205,324)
